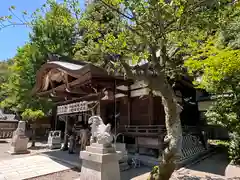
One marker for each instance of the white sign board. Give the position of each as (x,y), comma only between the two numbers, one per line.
(73,108)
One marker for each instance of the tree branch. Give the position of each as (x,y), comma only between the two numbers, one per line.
(12,24)
(116,10)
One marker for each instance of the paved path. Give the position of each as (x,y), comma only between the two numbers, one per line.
(211,168)
(32,166)
(41,147)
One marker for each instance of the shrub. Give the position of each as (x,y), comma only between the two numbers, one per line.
(234,148)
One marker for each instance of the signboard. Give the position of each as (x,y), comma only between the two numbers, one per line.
(73,107)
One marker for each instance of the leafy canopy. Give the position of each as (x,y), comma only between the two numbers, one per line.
(217,61)
(52,32)
(30,114)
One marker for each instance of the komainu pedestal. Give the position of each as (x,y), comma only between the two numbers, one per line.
(100,162)
(19,140)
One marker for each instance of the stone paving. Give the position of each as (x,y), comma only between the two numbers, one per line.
(42,161)
(32,166)
(41,147)
(211,168)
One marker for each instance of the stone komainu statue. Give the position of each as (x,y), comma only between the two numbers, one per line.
(101,133)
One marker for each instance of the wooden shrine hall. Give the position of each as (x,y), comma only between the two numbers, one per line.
(80,89)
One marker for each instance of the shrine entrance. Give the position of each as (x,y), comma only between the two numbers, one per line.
(79,90)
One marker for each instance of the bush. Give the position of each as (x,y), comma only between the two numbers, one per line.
(225,112)
(154,173)
(234,148)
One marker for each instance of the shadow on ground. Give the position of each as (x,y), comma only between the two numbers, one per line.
(64,157)
(185,177)
(215,164)
(37,147)
(3,141)
(135,173)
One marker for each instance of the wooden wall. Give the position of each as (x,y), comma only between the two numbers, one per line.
(123,108)
(140,113)
(148,110)
(159,115)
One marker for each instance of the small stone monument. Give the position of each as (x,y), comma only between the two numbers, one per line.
(100,161)
(54,139)
(19,140)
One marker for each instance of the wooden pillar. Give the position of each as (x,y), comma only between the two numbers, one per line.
(129,105)
(65,145)
(150,109)
(54,118)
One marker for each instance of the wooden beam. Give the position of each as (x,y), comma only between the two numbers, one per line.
(89,97)
(85,79)
(59,94)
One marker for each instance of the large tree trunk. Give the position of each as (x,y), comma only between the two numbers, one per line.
(173,139)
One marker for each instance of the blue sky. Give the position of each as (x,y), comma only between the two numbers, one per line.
(13,37)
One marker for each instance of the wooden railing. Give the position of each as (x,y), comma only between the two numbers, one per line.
(152,130)
(6,133)
(142,130)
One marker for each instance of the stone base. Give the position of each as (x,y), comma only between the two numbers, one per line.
(100,162)
(20,146)
(18,152)
(232,171)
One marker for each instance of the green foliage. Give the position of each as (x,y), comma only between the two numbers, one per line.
(115,34)
(53,31)
(234,151)
(220,143)
(4,74)
(220,70)
(32,115)
(130,31)
(154,173)
(217,61)
(95,23)
(224,112)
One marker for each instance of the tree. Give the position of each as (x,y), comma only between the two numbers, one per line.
(54,31)
(32,116)
(217,61)
(152,31)
(4,74)
(94,24)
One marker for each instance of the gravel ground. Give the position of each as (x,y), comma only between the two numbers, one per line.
(70,174)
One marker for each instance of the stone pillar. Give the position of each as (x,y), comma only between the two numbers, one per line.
(19,140)
(100,162)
